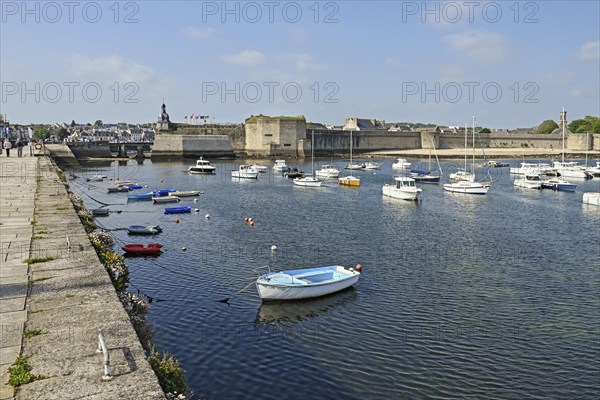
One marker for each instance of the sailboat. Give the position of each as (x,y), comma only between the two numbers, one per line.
(562,168)
(468,186)
(426,176)
(462,174)
(309,181)
(569,169)
(349,180)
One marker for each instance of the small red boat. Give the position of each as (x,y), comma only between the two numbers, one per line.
(153,249)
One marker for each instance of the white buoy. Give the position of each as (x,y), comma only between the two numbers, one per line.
(273,248)
(195,200)
(184,248)
(207,216)
(196,209)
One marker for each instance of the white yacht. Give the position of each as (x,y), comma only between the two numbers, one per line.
(327,171)
(592,198)
(401,163)
(202,167)
(280,166)
(532,169)
(529,182)
(371,165)
(403,188)
(571,169)
(245,172)
(461,175)
(594,170)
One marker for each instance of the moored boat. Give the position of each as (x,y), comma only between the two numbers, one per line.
(424,176)
(529,182)
(95,178)
(592,198)
(595,171)
(140,196)
(371,165)
(153,249)
(178,210)
(202,167)
(571,169)
(100,212)
(118,189)
(307,181)
(526,168)
(466,187)
(293,173)
(280,166)
(349,181)
(401,163)
(163,192)
(144,230)
(558,184)
(245,172)
(185,193)
(165,199)
(403,188)
(327,171)
(305,283)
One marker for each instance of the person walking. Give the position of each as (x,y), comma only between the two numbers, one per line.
(7,146)
(19,145)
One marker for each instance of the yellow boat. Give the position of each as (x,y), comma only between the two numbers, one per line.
(349,181)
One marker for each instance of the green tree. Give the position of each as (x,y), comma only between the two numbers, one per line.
(73,123)
(41,133)
(547,126)
(588,124)
(485,130)
(63,133)
(98,122)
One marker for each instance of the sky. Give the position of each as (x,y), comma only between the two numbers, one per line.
(509,63)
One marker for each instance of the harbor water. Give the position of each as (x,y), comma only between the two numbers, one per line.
(461,296)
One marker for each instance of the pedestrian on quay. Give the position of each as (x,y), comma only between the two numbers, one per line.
(19,145)
(7,146)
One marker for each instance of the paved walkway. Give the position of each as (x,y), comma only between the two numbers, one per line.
(18,187)
(65,299)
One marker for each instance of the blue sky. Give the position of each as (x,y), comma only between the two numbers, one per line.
(511,64)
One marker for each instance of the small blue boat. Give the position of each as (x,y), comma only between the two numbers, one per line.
(163,192)
(559,184)
(178,210)
(134,186)
(140,196)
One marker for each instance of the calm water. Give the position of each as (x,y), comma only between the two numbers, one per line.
(461,297)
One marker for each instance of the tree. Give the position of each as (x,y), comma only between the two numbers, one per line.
(98,122)
(588,124)
(547,126)
(485,130)
(63,133)
(73,123)
(41,133)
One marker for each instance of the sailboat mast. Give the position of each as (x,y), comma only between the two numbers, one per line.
(473,165)
(563,119)
(312,155)
(350,148)
(466,131)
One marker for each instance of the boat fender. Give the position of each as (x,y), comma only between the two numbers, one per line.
(246,219)
(358,267)
(273,248)
(251,223)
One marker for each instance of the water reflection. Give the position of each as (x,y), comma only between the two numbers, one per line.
(280,312)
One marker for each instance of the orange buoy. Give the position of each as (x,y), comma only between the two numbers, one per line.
(358,267)
(251,223)
(176,220)
(246,219)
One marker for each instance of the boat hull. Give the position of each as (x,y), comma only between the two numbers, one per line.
(522,183)
(402,194)
(269,291)
(466,188)
(244,175)
(165,199)
(178,210)
(349,181)
(591,198)
(307,182)
(203,170)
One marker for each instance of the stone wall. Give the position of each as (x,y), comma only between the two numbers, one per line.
(500,140)
(192,146)
(331,142)
(90,149)
(274,136)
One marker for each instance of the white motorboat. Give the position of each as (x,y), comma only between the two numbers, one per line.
(594,170)
(529,182)
(280,166)
(259,167)
(371,165)
(401,163)
(327,171)
(571,169)
(532,169)
(592,198)
(305,283)
(354,166)
(95,178)
(350,180)
(558,184)
(202,167)
(404,188)
(245,172)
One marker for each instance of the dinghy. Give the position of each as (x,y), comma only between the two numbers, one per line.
(118,189)
(144,230)
(178,210)
(163,192)
(134,186)
(153,249)
(100,212)
(140,196)
(306,283)
(165,199)
(185,193)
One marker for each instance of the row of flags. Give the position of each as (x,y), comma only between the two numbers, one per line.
(194,116)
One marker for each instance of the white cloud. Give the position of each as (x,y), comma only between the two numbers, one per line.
(479,45)
(196,33)
(113,67)
(246,57)
(589,51)
(305,62)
